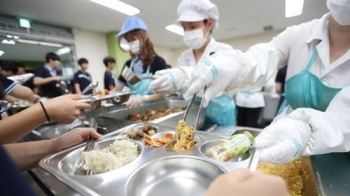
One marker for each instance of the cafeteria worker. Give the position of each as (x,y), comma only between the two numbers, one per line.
(317,88)
(144,62)
(198,19)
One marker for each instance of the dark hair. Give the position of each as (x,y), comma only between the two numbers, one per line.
(10,67)
(168,66)
(83,61)
(53,56)
(20,65)
(147,51)
(206,22)
(108,59)
(2,91)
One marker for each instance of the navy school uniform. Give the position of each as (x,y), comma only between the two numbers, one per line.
(53,88)
(11,180)
(9,86)
(108,80)
(83,79)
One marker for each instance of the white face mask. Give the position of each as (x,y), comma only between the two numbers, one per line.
(135,46)
(340,10)
(195,39)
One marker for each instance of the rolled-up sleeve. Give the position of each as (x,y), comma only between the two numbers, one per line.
(9,85)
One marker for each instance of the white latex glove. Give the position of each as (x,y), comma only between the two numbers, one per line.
(283,141)
(168,80)
(226,71)
(216,71)
(134,101)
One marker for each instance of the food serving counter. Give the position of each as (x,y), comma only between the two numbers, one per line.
(331,173)
(329,176)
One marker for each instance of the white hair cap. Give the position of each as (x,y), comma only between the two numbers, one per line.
(197,10)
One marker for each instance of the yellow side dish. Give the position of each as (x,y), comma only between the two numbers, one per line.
(184,135)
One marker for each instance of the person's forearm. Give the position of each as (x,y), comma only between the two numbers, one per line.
(22,92)
(42,81)
(118,87)
(77,88)
(278,88)
(154,97)
(26,155)
(18,125)
(11,99)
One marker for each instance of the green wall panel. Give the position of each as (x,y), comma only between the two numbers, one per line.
(115,51)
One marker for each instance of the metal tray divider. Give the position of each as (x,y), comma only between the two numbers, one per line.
(93,185)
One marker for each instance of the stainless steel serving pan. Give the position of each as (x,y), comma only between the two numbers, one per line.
(170,120)
(166,171)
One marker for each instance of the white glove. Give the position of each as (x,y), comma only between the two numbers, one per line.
(134,101)
(216,71)
(168,80)
(283,141)
(231,69)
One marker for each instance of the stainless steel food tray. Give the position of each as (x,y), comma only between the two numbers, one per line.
(170,120)
(63,164)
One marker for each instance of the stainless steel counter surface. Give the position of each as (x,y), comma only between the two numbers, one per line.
(332,174)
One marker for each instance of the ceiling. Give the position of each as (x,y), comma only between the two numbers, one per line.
(237,17)
(29,52)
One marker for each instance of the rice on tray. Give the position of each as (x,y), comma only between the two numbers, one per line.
(116,155)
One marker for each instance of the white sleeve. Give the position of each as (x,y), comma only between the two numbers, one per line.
(259,62)
(330,129)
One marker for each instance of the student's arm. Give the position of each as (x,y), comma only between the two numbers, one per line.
(39,78)
(76,83)
(278,88)
(62,109)
(11,99)
(22,92)
(119,86)
(109,81)
(111,87)
(41,81)
(279,81)
(77,88)
(26,155)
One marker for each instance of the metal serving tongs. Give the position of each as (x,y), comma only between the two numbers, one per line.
(199,112)
(90,143)
(91,86)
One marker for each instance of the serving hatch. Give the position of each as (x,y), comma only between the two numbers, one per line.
(154,171)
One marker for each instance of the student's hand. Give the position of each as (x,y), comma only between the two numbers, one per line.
(74,137)
(57,78)
(134,101)
(34,98)
(65,109)
(243,182)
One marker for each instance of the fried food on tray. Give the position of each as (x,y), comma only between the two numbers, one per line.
(153,114)
(183,140)
(100,92)
(291,173)
(138,134)
(158,141)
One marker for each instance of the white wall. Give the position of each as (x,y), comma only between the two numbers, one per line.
(93,46)
(168,54)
